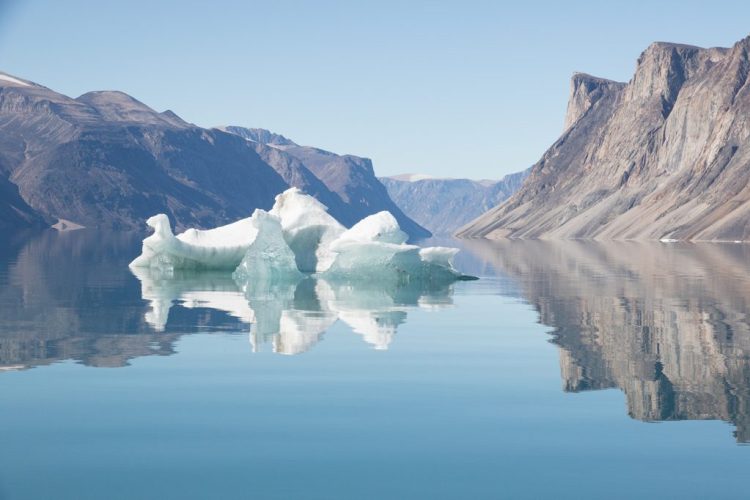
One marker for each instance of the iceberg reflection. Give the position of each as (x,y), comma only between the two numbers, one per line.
(292,314)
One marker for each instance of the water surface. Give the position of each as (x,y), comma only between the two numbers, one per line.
(573,370)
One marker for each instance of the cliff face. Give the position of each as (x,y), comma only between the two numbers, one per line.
(585,91)
(666,155)
(444,205)
(665,323)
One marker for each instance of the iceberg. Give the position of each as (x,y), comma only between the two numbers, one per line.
(308,229)
(219,248)
(375,249)
(298,236)
(268,257)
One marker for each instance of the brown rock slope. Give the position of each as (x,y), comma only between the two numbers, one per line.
(666,155)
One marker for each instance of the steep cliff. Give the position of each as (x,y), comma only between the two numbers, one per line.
(666,155)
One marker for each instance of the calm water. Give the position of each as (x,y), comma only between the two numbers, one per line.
(571,370)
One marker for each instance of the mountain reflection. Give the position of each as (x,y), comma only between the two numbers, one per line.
(665,323)
(290,316)
(71,296)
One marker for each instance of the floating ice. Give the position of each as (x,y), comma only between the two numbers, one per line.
(219,248)
(308,229)
(299,236)
(268,257)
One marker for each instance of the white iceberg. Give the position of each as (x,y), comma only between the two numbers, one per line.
(219,248)
(308,229)
(299,236)
(268,257)
(375,248)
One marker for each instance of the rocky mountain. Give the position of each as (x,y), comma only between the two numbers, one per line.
(626,316)
(664,156)
(107,160)
(444,205)
(353,190)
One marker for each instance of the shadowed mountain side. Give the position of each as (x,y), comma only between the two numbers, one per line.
(666,155)
(666,324)
(15,213)
(350,179)
(107,160)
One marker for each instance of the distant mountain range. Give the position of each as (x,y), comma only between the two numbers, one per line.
(664,156)
(105,159)
(444,205)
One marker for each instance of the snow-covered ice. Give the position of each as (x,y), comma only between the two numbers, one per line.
(10,79)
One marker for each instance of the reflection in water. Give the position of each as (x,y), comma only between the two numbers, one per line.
(71,296)
(291,316)
(665,323)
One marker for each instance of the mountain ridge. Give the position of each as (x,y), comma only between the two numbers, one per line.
(664,156)
(442,205)
(105,159)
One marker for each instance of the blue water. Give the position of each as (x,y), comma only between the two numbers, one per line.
(634,384)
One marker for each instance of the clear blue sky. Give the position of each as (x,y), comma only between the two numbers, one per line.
(470,88)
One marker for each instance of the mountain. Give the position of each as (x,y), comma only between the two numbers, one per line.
(14,212)
(107,160)
(664,156)
(444,205)
(355,191)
